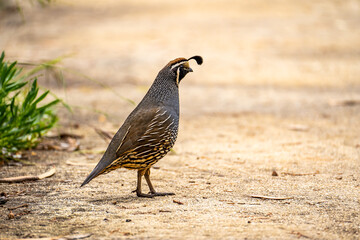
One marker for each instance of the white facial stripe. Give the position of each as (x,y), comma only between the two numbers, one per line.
(177,76)
(178,64)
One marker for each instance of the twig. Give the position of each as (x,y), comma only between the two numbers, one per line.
(107,136)
(300,174)
(20,206)
(270,198)
(178,202)
(164,211)
(28,178)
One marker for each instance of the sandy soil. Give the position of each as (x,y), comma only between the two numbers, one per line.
(279,90)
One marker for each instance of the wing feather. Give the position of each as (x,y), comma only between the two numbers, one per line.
(137,135)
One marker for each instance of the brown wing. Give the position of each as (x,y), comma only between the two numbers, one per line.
(145,137)
(148,140)
(133,128)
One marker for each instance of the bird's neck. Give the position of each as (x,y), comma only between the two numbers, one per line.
(163,91)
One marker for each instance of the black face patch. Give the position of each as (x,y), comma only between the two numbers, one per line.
(183,71)
(181,67)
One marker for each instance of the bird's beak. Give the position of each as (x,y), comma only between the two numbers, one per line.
(189,70)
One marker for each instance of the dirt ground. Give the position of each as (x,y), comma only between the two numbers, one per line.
(279,91)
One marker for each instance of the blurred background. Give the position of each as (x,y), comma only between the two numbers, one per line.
(273,111)
(263,57)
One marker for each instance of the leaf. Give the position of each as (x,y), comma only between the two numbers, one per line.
(2,56)
(14,86)
(22,123)
(39,99)
(47,174)
(42,108)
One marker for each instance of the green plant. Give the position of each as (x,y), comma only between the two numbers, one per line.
(22,120)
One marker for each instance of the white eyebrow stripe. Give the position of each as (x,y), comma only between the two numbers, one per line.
(178,64)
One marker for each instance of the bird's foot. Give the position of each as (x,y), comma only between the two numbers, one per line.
(140,194)
(144,195)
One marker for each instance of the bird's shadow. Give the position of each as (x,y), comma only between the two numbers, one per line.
(117,200)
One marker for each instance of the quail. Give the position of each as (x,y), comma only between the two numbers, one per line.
(150,131)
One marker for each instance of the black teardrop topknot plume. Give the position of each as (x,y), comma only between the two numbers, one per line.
(198,59)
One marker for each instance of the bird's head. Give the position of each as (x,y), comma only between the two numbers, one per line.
(180,67)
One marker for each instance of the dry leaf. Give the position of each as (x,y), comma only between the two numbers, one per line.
(28,178)
(74,144)
(64,135)
(62,142)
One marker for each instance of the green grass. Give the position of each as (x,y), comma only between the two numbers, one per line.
(24,118)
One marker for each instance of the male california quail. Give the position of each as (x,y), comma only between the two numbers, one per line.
(150,130)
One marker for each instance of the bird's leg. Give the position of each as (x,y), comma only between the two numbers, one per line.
(138,188)
(152,190)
